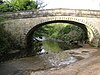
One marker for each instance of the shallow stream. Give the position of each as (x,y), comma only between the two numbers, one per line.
(51,55)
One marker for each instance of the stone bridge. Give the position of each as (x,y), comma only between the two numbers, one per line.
(21,25)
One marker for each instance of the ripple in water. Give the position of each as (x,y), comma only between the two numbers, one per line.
(58,59)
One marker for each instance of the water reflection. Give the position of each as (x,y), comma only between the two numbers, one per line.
(52,52)
(55,45)
(51,46)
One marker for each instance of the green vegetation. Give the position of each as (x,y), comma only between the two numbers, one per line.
(50,30)
(4,43)
(71,36)
(63,31)
(7,42)
(51,46)
(18,5)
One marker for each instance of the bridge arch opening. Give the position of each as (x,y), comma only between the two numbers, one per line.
(88,32)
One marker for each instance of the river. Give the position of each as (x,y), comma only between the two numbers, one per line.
(50,56)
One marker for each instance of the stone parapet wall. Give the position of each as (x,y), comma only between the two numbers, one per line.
(54,12)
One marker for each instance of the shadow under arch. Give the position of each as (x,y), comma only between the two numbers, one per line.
(29,34)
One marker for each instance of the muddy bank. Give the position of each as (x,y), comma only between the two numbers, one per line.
(88,66)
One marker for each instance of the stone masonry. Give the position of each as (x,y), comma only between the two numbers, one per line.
(21,24)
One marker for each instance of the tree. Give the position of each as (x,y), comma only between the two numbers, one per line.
(20,5)
(1,1)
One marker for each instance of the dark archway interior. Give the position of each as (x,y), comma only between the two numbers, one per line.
(29,35)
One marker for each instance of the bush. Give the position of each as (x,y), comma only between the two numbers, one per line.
(18,5)
(4,43)
(65,32)
(5,38)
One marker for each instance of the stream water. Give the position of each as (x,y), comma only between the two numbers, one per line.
(55,55)
(51,55)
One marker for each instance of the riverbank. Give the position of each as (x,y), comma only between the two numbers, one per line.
(87,66)
(27,66)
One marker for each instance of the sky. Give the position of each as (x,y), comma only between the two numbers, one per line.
(73,4)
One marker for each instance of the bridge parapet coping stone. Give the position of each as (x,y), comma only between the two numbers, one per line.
(54,12)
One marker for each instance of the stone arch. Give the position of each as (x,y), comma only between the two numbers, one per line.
(91,32)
